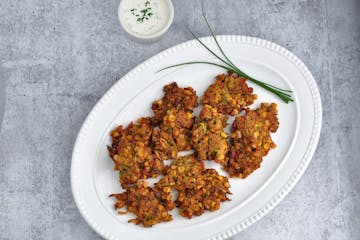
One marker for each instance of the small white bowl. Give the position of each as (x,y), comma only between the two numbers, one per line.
(154,27)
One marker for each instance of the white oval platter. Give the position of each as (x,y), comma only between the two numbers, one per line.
(92,175)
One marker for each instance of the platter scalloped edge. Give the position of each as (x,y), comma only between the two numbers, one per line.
(231,231)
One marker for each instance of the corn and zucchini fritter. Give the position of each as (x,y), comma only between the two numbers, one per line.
(132,153)
(199,189)
(142,200)
(229,94)
(174,98)
(251,140)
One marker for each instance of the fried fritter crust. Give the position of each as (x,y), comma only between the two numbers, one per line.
(208,137)
(174,98)
(142,200)
(251,140)
(132,154)
(229,94)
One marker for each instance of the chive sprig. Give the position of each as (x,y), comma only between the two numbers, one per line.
(227,64)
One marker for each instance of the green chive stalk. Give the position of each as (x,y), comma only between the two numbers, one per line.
(228,65)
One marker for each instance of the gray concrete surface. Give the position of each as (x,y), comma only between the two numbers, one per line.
(60,57)
(2,95)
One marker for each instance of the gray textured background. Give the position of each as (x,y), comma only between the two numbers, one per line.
(60,57)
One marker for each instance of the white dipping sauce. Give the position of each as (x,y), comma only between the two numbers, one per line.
(145,17)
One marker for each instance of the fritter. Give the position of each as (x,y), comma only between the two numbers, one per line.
(133,132)
(208,137)
(210,190)
(179,175)
(174,134)
(132,153)
(199,189)
(174,98)
(142,200)
(251,140)
(229,94)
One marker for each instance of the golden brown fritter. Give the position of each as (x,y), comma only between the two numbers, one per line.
(181,174)
(199,189)
(251,140)
(132,154)
(208,137)
(229,94)
(209,191)
(174,98)
(142,200)
(133,132)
